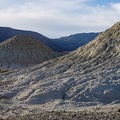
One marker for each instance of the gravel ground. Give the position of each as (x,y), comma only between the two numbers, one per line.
(62,115)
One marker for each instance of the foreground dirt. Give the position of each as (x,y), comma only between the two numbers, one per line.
(62,115)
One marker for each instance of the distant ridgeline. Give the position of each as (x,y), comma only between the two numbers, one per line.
(68,43)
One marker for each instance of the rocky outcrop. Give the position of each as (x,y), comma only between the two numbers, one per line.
(22,50)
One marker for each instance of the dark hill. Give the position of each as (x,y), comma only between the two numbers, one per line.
(72,42)
(6,33)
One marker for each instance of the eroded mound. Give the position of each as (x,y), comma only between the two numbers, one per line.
(23,50)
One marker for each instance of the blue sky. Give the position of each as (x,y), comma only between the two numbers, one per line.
(56,18)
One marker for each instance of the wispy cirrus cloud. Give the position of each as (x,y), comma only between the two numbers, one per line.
(55,18)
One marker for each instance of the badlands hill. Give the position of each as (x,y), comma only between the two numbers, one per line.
(105,47)
(89,76)
(22,50)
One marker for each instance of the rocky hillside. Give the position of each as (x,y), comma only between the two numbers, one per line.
(105,47)
(72,42)
(22,50)
(89,76)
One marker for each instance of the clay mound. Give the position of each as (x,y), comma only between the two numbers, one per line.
(22,50)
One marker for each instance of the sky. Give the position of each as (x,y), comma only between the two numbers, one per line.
(57,18)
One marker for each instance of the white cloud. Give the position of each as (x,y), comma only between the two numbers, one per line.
(55,18)
(116,6)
